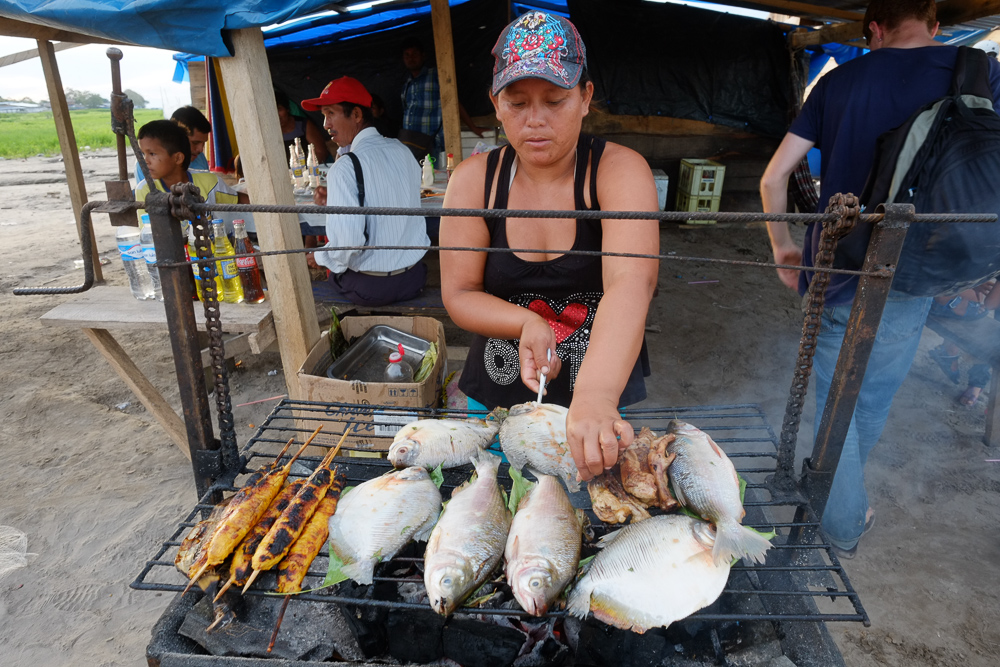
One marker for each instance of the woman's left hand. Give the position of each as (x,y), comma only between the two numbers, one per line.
(596,433)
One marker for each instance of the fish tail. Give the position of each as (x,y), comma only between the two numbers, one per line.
(486,463)
(361,571)
(736,541)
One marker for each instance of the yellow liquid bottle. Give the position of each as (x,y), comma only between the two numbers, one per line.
(225,266)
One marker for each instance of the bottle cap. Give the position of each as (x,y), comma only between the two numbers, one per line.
(396,357)
(145,218)
(238,222)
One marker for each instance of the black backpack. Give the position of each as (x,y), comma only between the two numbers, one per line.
(945,159)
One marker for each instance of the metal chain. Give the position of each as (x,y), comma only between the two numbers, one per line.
(182,195)
(847,209)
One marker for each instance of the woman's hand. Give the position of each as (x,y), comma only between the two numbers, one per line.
(596,433)
(537,341)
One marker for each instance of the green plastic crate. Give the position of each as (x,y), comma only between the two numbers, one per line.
(701,178)
(692,204)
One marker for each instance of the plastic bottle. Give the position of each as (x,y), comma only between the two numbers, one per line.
(398,370)
(247,266)
(427,172)
(312,167)
(192,251)
(450,165)
(229,275)
(135,266)
(149,254)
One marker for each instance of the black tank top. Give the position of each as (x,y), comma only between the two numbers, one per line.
(565,291)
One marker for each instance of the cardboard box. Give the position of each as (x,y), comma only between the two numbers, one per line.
(374,428)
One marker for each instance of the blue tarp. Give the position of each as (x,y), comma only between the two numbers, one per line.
(192,26)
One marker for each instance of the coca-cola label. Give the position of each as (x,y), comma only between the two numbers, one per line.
(246,263)
(130,253)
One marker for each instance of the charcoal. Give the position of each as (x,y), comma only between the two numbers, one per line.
(599,645)
(367,624)
(415,636)
(476,644)
(306,631)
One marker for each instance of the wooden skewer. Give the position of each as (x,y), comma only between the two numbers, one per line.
(284,449)
(195,578)
(333,453)
(214,623)
(277,626)
(253,575)
(225,587)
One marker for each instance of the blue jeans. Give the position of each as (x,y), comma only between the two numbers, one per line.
(892,355)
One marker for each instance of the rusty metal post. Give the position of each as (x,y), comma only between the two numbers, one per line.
(866,314)
(178,299)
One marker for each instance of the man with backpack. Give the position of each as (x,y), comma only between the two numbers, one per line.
(844,116)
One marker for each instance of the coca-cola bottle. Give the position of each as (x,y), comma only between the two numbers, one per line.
(247,266)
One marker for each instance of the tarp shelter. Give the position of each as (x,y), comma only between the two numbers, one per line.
(232,28)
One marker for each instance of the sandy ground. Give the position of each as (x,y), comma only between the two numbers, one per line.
(97,486)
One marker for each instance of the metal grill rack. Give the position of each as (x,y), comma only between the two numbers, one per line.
(796,583)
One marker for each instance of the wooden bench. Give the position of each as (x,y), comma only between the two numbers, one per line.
(105,307)
(428,303)
(981,339)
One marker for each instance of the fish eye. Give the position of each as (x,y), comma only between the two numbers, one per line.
(535,583)
(446,581)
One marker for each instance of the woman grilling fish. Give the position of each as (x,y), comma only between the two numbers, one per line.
(587,312)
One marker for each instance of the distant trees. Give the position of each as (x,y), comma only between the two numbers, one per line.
(85,99)
(138,101)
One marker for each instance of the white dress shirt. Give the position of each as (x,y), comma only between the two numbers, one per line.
(392,178)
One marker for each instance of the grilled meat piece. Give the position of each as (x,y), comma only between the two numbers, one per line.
(660,458)
(293,567)
(610,502)
(637,476)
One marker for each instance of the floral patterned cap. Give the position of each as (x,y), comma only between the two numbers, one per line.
(539,46)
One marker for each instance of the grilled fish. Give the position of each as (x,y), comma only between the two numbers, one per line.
(445,442)
(543,548)
(650,574)
(534,435)
(379,517)
(467,542)
(611,503)
(705,482)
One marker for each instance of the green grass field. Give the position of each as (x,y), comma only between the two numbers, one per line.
(27,134)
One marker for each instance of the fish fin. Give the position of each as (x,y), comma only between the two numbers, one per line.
(678,493)
(605,611)
(361,571)
(512,552)
(735,541)
(578,603)
(608,538)
(715,448)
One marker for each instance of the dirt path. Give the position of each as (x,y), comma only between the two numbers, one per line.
(96,487)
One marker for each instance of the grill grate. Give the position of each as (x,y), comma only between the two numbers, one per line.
(796,583)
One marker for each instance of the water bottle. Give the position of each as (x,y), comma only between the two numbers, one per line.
(149,253)
(398,369)
(135,266)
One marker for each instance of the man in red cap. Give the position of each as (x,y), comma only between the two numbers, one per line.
(372,171)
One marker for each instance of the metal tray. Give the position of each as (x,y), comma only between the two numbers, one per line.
(367,357)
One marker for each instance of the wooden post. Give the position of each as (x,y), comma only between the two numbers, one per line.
(255,118)
(67,144)
(444,50)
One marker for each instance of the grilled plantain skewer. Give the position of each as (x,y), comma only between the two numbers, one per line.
(240,568)
(293,567)
(286,529)
(245,510)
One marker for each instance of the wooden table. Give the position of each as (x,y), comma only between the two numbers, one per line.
(105,307)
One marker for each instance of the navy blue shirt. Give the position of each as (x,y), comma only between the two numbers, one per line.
(845,114)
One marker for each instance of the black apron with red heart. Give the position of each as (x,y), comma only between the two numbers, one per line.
(565,291)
